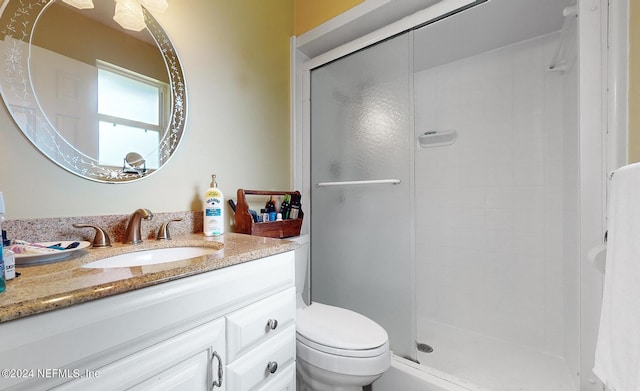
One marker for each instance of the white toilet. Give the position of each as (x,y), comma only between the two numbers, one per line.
(337,349)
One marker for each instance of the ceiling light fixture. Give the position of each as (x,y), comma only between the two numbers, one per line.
(128,13)
(81,4)
(155,5)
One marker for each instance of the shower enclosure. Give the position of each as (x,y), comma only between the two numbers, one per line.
(444,167)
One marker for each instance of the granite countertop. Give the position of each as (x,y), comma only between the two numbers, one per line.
(41,288)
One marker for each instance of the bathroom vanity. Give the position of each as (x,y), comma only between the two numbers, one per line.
(224,321)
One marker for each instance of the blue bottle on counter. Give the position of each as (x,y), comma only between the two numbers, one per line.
(3,285)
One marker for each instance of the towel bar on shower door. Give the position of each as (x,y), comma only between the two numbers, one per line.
(353,183)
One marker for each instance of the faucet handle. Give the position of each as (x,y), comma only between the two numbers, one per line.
(101,239)
(163,232)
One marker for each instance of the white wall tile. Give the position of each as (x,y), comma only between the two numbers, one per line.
(500,219)
(490,206)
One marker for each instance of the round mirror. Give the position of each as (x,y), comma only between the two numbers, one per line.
(102,102)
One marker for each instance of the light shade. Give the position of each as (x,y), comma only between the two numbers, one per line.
(80,4)
(155,5)
(129,15)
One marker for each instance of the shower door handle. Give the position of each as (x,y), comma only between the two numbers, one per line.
(354,183)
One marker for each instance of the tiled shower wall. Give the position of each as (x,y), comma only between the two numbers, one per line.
(489,208)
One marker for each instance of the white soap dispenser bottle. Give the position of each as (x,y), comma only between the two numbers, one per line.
(213,210)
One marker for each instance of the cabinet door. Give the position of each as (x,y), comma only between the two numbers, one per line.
(187,375)
(184,362)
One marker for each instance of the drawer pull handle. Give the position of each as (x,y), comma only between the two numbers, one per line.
(217,382)
(272,324)
(272,367)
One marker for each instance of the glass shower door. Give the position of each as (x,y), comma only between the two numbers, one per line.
(361,187)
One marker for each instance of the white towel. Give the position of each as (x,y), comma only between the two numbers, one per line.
(617,360)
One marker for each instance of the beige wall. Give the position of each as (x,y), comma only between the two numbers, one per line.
(634,81)
(236,60)
(312,13)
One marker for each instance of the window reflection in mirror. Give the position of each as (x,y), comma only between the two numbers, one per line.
(131,113)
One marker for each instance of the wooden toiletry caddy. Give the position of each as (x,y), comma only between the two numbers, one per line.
(271,229)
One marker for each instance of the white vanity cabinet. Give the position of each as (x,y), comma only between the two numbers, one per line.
(234,326)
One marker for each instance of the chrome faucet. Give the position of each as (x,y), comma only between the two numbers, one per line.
(133,228)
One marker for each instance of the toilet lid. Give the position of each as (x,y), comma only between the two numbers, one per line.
(339,328)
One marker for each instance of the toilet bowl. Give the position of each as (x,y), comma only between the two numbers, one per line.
(337,349)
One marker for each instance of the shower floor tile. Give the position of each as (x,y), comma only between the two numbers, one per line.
(491,363)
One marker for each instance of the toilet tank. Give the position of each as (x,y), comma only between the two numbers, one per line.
(302,266)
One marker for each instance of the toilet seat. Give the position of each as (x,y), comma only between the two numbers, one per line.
(340,332)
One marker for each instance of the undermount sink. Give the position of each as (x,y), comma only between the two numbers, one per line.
(150,257)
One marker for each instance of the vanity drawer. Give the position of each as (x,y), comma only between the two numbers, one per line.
(283,380)
(249,326)
(264,364)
